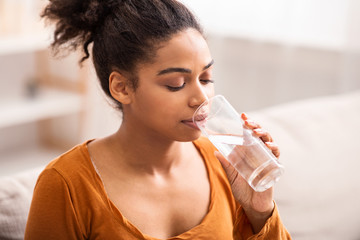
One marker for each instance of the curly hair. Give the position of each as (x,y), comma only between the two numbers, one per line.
(123,33)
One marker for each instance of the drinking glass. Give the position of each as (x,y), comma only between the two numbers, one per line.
(246,152)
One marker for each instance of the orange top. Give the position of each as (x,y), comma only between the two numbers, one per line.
(70,202)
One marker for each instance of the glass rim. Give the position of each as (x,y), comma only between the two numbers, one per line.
(206,102)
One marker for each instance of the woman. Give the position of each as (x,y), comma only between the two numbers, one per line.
(155,178)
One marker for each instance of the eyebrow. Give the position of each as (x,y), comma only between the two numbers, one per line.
(182,70)
(209,65)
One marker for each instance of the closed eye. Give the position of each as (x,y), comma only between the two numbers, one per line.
(206,81)
(174,89)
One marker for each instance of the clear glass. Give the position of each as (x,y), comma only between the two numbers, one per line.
(220,122)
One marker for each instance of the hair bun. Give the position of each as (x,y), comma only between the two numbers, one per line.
(80,14)
(77,20)
(94,13)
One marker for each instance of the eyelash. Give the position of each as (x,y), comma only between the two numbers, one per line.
(174,89)
(206,81)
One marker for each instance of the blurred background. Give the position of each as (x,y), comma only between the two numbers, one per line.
(270,52)
(266,53)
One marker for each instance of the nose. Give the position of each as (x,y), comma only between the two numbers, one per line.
(198,96)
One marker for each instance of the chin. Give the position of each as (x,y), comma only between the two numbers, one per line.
(188,137)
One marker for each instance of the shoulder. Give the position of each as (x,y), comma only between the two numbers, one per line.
(71,166)
(75,157)
(204,145)
(207,150)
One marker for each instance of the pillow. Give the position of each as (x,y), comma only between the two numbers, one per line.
(15,199)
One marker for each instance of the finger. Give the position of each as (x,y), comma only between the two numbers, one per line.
(250,124)
(274,148)
(244,116)
(263,135)
(230,171)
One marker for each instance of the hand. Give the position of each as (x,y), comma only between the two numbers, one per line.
(258,206)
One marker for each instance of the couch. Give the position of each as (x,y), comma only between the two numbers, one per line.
(318,195)
(15,198)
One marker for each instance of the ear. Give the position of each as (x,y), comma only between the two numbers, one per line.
(120,88)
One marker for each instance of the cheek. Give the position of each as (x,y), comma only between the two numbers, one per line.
(167,108)
(156,104)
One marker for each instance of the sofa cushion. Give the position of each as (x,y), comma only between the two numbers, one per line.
(319,193)
(15,198)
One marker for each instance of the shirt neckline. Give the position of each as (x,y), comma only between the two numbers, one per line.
(131,227)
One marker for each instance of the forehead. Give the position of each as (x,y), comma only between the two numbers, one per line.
(186,49)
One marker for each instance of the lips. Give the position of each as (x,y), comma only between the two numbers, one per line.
(198,119)
(190,123)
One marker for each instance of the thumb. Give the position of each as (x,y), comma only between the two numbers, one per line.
(230,171)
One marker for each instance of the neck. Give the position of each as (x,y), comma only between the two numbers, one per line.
(146,152)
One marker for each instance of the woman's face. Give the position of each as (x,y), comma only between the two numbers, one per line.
(171,87)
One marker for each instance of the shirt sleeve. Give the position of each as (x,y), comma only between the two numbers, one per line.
(52,215)
(273,228)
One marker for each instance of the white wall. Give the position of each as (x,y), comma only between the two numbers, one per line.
(315,23)
(271,52)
